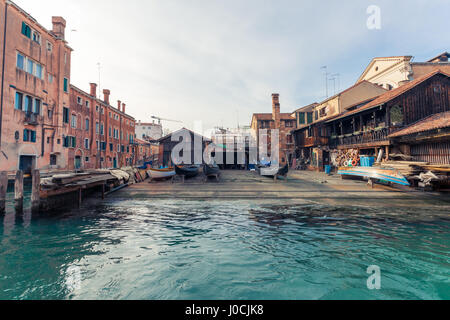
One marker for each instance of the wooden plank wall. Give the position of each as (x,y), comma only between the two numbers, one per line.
(436,153)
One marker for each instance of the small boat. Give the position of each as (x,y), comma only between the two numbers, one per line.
(284,171)
(187,171)
(210,170)
(269,171)
(157,174)
(390,175)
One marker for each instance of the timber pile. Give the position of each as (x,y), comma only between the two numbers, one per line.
(112,178)
(406,168)
(428,174)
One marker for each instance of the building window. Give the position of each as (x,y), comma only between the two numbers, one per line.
(87,124)
(86,143)
(29,135)
(19,101)
(310,117)
(36,37)
(101,129)
(65,115)
(37,106)
(49,47)
(28,104)
(73,123)
(87,104)
(96,128)
(87,159)
(20,61)
(50,78)
(66,85)
(30,66)
(79,101)
(38,73)
(26,30)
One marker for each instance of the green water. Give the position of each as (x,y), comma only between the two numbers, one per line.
(224,250)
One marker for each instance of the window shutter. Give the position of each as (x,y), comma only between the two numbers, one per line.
(33,136)
(25,135)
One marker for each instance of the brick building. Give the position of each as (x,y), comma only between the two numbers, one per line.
(35,77)
(284,122)
(97,135)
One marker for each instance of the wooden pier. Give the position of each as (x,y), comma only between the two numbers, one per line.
(49,192)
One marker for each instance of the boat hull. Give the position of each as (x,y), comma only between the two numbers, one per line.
(390,175)
(210,171)
(156,174)
(188,172)
(269,172)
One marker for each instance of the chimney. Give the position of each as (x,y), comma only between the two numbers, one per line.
(123,107)
(93,89)
(119,103)
(106,94)
(59,26)
(276,109)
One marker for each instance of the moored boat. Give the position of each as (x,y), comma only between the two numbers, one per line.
(390,175)
(158,174)
(269,171)
(284,171)
(187,171)
(210,170)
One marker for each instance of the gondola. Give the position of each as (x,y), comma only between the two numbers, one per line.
(210,170)
(187,171)
(269,171)
(284,171)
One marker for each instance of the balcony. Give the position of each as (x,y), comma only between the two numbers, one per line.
(364,138)
(31,118)
(313,142)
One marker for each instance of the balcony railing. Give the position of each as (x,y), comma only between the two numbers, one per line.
(31,118)
(361,138)
(313,141)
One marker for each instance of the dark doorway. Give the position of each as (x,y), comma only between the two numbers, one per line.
(26,164)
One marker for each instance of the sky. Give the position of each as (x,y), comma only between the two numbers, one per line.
(219,61)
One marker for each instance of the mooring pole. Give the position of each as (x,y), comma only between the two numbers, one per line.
(35,190)
(3,188)
(80,197)
(18,191)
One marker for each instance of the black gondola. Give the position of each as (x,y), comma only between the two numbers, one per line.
(283,171)
(210,170)
(187,171)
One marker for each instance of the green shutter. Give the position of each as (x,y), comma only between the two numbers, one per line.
(26,30)
(310,117)
(25,135)
(302,118)
(66,84)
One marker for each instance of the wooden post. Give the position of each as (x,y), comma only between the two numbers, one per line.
(18,191)
(35,190)
(80,197)
(3,188)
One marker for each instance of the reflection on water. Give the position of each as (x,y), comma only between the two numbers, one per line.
(223,250)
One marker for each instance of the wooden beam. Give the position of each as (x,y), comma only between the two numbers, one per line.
(3,188)
(18,191)
(35,190)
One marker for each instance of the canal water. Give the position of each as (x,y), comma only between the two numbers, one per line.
(147,249)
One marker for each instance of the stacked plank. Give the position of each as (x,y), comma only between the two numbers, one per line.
(406,168)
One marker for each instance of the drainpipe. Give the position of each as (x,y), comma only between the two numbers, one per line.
(3,70)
